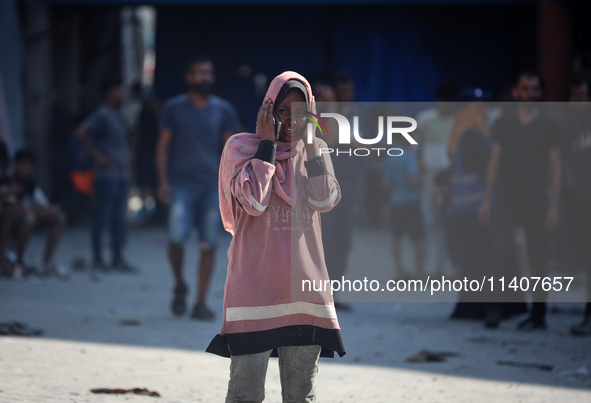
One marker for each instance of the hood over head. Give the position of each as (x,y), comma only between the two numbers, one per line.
(289,80)
(241,148)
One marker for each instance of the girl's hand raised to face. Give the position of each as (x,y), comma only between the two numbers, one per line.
(265,123)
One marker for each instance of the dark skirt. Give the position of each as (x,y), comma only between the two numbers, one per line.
(257,342)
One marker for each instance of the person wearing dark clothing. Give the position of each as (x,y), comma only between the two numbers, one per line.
(339,223)
(104,138)
(442,201)
(7,191)
(470,149)
(467,183)
(576,195)
(475,238)
(525,153)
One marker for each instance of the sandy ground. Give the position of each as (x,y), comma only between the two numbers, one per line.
(86,345)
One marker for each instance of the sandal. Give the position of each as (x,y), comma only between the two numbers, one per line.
(202,312)
(179,305)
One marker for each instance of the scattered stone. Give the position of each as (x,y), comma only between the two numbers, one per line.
(134,391)
(533,365)
(430,356)
(18,329)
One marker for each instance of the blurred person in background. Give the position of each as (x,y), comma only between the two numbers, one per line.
(470,149)
(338,224)
(376,208)
(104,138)
(442,199)
(402,180)
(576,195)
(7,192)
(194,127)
(27,205)
(81,177)
(525,155)
(433,137)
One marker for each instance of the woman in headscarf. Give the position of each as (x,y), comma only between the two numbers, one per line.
(470,149)
(273,186)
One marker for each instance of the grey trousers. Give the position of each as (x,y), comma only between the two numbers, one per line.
(298,366)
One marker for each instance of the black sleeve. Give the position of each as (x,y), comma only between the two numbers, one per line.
(316,166)
(475,152)
(266,151)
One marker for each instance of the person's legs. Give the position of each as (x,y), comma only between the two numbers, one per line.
(56,220)
(568,241)
(180,217)
(586,252)
(503,261)
(419,253)
(176,257)
(397,252)
(415,228)
(536,235)
(397,229)
(430,238)
(472,257)
(7,219)
(118,221)
(205,270)
(298,367)
(247,377)
(26,227)
(452,241)
(102,204)
(476,265)
(208,222)
(444,257)
(583,213)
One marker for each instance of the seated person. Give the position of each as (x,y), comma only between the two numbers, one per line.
(25,207)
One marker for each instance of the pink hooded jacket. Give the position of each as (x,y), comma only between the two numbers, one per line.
(273,213)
